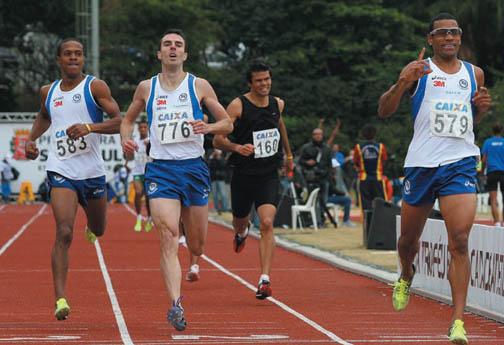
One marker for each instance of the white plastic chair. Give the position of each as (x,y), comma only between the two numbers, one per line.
(335,211)
(308,207)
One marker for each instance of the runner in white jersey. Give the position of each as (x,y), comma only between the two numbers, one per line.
(177,180)
(448,98)
(72,109)
(138,172)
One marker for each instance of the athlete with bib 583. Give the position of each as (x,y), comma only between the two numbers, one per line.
(177,181)
(72,108)
(447,97)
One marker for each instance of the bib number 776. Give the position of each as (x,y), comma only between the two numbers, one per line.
(174,131)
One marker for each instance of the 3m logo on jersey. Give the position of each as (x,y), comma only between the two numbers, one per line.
(58,103)
(173,116)
(438,83)
(161,102)
(451,106)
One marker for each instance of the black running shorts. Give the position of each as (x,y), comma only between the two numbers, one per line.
(247,190)
(493,179)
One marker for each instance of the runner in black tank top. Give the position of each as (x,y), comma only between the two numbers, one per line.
(258,141)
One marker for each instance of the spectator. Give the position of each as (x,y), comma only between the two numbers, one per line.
(315,160)
(339,197)
(8,174)
(369,159)
(218,171)
(121,183)
(493,159)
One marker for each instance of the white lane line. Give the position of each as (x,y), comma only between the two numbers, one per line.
(121,323)
(23,228)
(283,306)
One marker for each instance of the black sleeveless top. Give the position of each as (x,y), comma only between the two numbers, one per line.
(252,119)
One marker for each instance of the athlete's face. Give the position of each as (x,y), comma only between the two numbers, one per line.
(143,130)
(172,50)
(261,83)
(445,38)
(71,58)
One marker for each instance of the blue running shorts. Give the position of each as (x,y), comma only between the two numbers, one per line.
(91,188)
(424,185)
(186,180)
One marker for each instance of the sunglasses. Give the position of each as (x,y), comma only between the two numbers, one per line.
(446,31)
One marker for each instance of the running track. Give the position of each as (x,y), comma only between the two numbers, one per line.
(117,295)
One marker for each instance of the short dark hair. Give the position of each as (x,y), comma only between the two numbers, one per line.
(440,16)
(368,132)
(143,119)
(174,31)
(69,39)
(497,128)
(257,66)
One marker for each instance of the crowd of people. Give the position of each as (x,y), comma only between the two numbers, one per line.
(250,140)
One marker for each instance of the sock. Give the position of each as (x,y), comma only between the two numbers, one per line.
(149,219)
(264,277)
(139,217)
(194,268)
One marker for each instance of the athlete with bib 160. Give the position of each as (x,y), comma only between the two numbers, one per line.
(448,96)
(73,109)
(177,181)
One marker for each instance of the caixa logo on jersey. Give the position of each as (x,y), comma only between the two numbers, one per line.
(464,84)
(76,98)
(451,106)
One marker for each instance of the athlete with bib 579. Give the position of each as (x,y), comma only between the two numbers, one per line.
(447,97)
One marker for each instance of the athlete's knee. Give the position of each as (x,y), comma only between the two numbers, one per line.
(459,244)
(266,223)
(64,235)
(407,244)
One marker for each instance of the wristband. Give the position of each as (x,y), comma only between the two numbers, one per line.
(88,127)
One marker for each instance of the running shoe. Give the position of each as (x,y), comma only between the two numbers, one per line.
(401,294)
(457,333)
(138,225)
(90,237)
(176,316)
(62,309)
(239,240)
(193,274)
(148,225)
(263,290)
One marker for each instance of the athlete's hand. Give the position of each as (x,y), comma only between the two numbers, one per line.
(289,168)
(482,100)
(31,150)
(200,127)
(245,150)
(129,147)
(77,131)
(415,69)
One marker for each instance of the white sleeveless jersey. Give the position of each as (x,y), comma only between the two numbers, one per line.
(169,113)
(75,159)
(140,158)
(443,116)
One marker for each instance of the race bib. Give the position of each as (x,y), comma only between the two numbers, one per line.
(65,147)
(266,142)
(449,118)
(174,128)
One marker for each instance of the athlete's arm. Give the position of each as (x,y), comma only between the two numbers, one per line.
(289,163)
(129,146)
(221,142)
(101,93)
(482,100)
(390,100)
(40,125)
(223,124)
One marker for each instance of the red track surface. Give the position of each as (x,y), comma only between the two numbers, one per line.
(219,308)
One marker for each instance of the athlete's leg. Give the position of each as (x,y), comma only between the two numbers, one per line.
(494,205)
(195,219)
(458,212)
(266,214)
(138,185)
(412,223)
(166,215)
(96,213)
(64,205)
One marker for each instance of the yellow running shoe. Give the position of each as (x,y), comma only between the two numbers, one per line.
(457,333)
(148,226)
(138,225)
(400,296)
(62,309)
(90,237)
